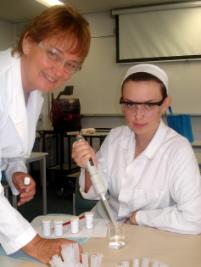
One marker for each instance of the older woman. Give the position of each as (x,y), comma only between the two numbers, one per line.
(150,170)
(51,49)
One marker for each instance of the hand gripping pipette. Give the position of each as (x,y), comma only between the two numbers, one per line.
(96,178)
(98,183)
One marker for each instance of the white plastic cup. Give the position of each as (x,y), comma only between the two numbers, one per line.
(125,263)
(46,227)
(74,223)
(136,262)
(58,228)
(156,264)
(145,262)
(89,220)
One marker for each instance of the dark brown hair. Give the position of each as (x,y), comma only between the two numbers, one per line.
(144,76)
(62,22)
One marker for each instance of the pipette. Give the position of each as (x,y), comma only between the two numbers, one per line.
(101,190)
(99,185)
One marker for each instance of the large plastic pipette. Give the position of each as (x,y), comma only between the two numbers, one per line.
(98,184)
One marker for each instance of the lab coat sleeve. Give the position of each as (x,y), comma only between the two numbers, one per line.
(14,165)
(15,231)
(185,187)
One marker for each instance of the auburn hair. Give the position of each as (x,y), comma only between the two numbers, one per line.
(64,22)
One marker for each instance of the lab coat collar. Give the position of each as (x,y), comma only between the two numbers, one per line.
(153,146)
(156,141)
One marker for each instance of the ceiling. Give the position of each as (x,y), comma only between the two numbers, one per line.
(21,10)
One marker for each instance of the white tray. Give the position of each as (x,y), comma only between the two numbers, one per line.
(99,230)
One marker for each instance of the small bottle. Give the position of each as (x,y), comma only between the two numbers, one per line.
(145,262)
(136,262)
(125,263)
(27,180)
(46,227)
(58,228)
(89,220)
(74,223)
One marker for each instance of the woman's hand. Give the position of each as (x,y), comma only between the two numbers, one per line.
(44,249)
(26,192)
(132,219)
(82,152)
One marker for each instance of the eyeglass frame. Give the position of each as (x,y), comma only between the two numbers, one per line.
(68,65)
(145,104)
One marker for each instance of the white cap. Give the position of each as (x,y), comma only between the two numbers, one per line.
(151,69)
(27,180)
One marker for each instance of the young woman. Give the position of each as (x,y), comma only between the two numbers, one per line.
(51,49)
(150,170)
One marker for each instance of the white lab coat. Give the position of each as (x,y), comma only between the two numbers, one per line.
(17,134)
(162,184)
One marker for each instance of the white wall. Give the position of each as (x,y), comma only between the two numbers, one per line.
(97,85)
(101,77)
(7,34)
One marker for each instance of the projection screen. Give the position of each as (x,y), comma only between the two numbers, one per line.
(158,33)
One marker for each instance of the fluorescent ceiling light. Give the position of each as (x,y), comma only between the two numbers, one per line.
(49,3)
